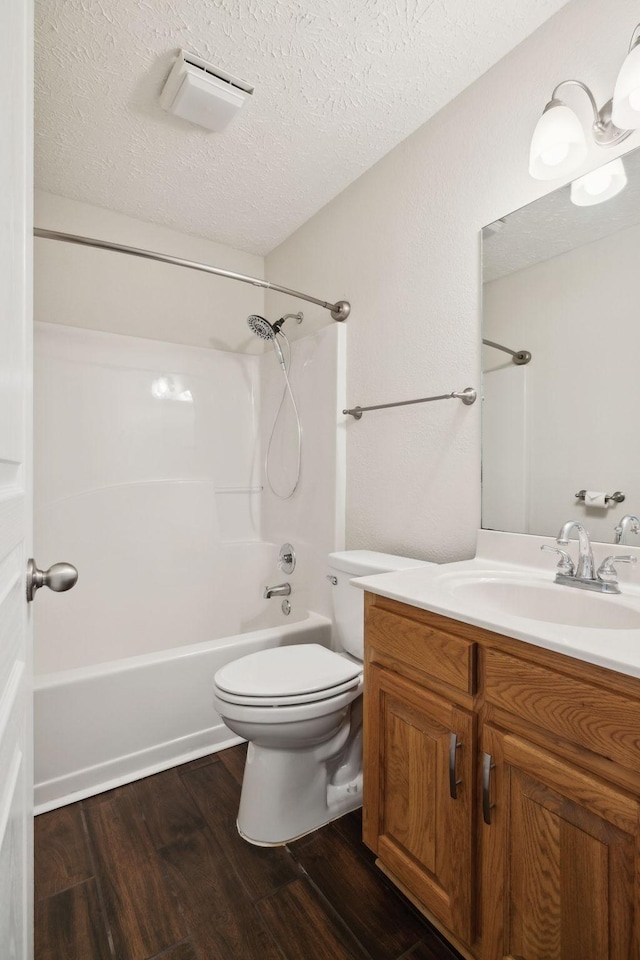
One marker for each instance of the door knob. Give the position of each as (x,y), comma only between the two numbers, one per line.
(59,577)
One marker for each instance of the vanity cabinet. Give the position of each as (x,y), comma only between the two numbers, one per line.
(422,812)
(559,859)
(502,788)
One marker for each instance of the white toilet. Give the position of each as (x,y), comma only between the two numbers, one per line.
(300,708)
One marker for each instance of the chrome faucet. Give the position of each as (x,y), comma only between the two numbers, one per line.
(604,580)
(629,522)
(584,569)
(281,590)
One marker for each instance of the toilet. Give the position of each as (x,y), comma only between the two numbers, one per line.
(300,708)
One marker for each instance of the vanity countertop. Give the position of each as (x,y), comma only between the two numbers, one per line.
(508,587)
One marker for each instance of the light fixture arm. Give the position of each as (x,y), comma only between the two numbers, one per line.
(605,132)
(559,145)
(583,86)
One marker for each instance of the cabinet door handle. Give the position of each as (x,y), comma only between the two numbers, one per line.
(487,806)
(453,783)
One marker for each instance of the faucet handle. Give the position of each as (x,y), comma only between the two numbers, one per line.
(629,520)
(607,571)
(565,563)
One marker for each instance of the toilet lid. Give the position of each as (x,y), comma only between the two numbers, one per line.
(291,674)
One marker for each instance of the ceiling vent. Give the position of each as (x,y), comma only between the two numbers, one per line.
(201,93)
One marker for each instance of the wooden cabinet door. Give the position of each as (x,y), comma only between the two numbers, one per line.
(417,818)
(559,859)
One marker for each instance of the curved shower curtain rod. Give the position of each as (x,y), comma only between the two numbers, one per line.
(519,357)
(339,310)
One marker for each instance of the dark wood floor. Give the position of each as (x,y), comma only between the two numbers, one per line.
(156,869)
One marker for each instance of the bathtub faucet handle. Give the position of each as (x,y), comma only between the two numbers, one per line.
(59,577)
(287,558)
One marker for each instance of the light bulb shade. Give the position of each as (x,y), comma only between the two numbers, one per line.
(599,185)
(558,145)
(625,112)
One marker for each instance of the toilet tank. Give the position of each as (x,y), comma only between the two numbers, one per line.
(348,601)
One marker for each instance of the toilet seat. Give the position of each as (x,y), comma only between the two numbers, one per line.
(282,714)
(285,676)
(282,701)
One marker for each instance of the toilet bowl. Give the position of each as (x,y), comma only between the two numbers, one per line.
(300,708)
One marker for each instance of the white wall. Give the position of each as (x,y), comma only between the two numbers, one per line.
(402,243)
(578,315)
(84,287)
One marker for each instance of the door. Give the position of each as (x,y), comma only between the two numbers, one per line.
(16,787)
(560,859)
(418,794)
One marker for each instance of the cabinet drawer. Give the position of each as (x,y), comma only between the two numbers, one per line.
(418,646)
(589,716)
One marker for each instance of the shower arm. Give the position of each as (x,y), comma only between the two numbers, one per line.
(339,310)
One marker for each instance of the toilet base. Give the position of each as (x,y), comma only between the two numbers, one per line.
(287,794)
(357,803)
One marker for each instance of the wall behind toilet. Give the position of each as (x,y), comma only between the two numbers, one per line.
(402,243)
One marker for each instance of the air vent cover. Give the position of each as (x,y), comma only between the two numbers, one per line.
(201,93)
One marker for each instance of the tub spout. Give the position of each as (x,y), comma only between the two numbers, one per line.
(281,590)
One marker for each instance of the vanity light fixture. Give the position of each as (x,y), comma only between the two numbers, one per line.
(599,185)
(559,143)
(626,95)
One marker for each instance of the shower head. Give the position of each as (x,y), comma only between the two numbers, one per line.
(261,327)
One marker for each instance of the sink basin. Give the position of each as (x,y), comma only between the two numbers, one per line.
(549,602)
(508,588)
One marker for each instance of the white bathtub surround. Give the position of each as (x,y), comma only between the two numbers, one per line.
(104,725)
(147,479)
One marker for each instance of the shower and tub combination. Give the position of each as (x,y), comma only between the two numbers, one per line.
(149,478)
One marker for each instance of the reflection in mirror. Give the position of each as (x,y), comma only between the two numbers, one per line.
(562,281)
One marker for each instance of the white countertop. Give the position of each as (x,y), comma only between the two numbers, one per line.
(517,558)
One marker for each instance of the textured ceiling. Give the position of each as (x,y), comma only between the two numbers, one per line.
(338,84)
(553,225)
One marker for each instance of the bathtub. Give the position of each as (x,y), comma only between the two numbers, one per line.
(99,726)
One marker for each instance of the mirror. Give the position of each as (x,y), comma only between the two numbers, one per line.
(563,282)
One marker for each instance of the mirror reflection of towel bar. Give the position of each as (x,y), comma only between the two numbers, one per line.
(519,357)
